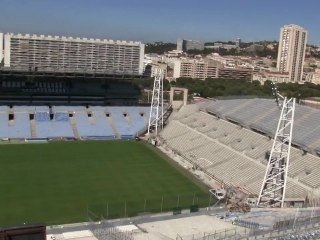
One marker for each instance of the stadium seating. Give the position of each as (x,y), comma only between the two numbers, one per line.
(42,116)
(18,128)
(263,115)
(94,126)
(120,121)
(61,117)
(71,121)
(235,154)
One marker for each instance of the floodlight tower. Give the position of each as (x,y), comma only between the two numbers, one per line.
(273,188)
(156,109)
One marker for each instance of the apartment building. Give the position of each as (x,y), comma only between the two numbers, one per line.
(186,45)
(68,54)
(291,53)
(1,49)
(277,77)
(195,68)
(235,73)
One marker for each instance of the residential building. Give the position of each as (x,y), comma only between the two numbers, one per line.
(274,76)
(235,73)
(155,66)
(186,45)
(291,52)
(1,48)
(316,76)
(238,42)
(195,68)
(173,54)
(180,45)
(68,54)
(218,45)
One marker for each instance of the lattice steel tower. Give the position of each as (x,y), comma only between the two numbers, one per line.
(273,188)
(156,110)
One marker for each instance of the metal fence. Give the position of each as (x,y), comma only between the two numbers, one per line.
(301,225)
(105,230)
(123,209)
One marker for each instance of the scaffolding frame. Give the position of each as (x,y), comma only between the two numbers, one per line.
(273,188)
(156,108)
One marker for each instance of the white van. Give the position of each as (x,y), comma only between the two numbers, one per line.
(218,193)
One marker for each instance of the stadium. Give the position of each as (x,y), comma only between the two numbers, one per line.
(77,163)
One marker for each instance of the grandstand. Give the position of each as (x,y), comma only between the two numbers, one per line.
(71,122)
(230,140)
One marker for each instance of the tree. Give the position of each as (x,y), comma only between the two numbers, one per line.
(159,47)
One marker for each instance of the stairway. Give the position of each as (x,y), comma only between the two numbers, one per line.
(114,128)
(33,128)
(74,127)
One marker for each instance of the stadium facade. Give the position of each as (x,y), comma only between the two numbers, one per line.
(67,54)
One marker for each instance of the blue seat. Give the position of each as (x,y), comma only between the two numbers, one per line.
(61,117)
(42,116)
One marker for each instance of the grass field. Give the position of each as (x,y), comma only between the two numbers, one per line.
(64,182)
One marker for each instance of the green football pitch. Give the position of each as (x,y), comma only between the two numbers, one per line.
(63,182)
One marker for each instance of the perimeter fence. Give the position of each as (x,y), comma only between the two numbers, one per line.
(105,230)
(131,208)
(301,225)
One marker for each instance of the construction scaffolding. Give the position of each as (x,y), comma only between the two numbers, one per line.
(272,193)
(156,110)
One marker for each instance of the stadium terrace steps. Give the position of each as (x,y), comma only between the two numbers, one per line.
(259,152)
(74,127)
(235,155)
(114,129)
(312,180)
(263,115)
(304,164)
(33,128)
(186,110)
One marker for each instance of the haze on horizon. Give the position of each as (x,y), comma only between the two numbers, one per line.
(167,20)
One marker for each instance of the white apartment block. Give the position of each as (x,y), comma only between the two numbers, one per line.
(316,76)
(68,54)
(194,68)
(276,77)
(155,66)
(291,53)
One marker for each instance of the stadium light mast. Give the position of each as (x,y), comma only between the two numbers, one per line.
(156,109)
(273,188)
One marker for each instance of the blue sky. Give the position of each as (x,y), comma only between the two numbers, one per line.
(165,20)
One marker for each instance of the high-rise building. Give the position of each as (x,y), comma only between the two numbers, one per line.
(238,42)
(186,45)
(180,44)
(67,54)
(291,52)
(1,48)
